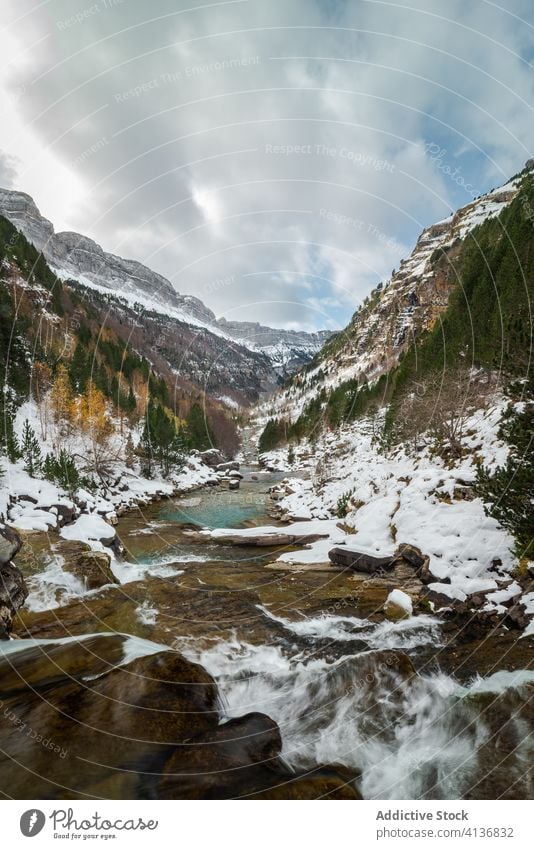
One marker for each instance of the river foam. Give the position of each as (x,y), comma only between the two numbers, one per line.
(411,736)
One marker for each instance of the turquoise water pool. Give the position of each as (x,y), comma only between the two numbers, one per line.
(221,508)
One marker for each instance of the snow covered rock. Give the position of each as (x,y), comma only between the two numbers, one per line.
(90,528)
(398,605)
(231,466)
(212,457)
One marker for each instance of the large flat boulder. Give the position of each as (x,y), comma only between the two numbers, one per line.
(360,561)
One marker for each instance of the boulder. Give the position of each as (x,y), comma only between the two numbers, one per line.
(228,761)
(211,458)
(29,498)
(10,544)
(91,567)
(65,513)
(233,484)
(398,606)
(259,538)
(241,759)
(231,466)
(100,725)
(13,594)
(412,555)
(360,561)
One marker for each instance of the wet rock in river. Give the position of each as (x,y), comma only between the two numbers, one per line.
(241,759)
(323,783)
(398,606)
(93,568)
(231,760)
(88,726)
(10,543)
(13,594)
(504,766)
(212,457)
(231,466)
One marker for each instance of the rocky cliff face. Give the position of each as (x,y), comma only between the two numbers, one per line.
(399,310)
(76,257)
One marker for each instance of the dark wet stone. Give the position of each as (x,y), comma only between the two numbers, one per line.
(81,734)
(65,513)
(359,561)
(323,783)
(13,594)
(10,543)
(226,762)
(240,759)
(92,568)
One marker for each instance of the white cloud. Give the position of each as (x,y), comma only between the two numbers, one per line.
(232,143)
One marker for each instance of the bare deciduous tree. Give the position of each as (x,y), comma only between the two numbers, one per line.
(440,405)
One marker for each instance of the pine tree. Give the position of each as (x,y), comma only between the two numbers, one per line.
(161,442)
(508,492)
(9,444)
(30,450)
(198,429)
(49,467)
(80,368)
(63,471)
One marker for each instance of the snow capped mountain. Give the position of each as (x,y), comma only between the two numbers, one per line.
(399,310)
(288,350)
(76,257)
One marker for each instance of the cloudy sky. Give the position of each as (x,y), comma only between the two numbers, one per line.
(276,158)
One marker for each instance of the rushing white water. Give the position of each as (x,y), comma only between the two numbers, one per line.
(147,613)
(405,634)
(161,567)
(411,736)
(53,588)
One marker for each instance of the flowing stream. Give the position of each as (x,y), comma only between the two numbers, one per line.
(389,701)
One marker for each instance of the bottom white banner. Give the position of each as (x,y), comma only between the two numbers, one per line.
(256,824)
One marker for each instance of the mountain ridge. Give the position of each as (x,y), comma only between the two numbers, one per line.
(76,257)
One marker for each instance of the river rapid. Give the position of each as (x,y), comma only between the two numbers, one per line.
(419,708)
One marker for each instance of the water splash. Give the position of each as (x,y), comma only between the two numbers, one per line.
(410,736)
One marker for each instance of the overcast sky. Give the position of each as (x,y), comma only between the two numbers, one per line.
(276,158)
